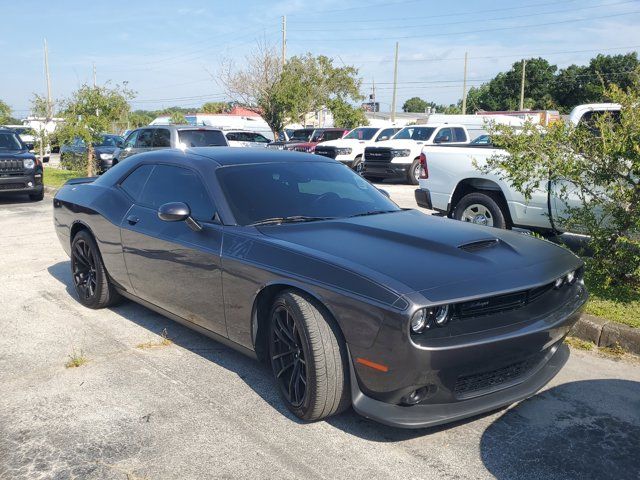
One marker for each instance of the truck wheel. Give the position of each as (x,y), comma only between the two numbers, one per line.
(481,209)
(357,161)
(413,174)
(308,358)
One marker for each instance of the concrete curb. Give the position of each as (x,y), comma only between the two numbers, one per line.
(50,190)
(605,333)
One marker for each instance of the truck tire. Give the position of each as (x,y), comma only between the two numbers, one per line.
(356,162)
(481,209)
(414,172)
(308,357)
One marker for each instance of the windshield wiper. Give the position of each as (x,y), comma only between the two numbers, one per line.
(290,219)
(372,212)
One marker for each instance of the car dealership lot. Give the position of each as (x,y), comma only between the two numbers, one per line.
(196,409)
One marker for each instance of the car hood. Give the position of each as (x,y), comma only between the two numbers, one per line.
(398,143)
(16,154)
(103,149)
(344,142)
(443,259)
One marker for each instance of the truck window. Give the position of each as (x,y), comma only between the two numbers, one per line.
(459,135)
(443,136)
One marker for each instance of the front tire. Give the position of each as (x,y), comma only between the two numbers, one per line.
(308,358)
(481,209)
(90,278)
(357,161)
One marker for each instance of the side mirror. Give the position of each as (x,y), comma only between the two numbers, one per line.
(384,192)
(174,212)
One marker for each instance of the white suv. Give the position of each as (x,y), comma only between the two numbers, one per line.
(399,158)
(350,148)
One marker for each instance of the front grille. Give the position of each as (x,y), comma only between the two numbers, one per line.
(10,166)
(377,155)
(330,152)
(301,149)
(500,303)
(467,386)
(12,186)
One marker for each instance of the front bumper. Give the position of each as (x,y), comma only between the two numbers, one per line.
(27,184)
(430,415)
(385,170)
(465,374)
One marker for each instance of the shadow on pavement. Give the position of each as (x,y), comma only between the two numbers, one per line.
(586,429)
(15,199)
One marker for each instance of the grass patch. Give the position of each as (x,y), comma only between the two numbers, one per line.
(618,303)
(54,177)
(76,359)
(164,341)
(579,344)
(613,351)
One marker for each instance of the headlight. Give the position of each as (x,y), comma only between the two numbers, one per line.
(401,153)
(343,151)
(571,277)
(106,156)
(426,318)
(28,163)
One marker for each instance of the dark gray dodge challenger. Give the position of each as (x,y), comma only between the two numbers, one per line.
(295,260)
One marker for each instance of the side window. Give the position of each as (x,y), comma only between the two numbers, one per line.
(168,183)
(162,138)
(332,135)
(459,135)
(134,183)
(145,138)
(130,142)
(256,137)
(232,136)
(386,134)
(443,136)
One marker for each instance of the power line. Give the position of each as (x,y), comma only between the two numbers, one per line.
(468,32)
(457,14)
(439,24)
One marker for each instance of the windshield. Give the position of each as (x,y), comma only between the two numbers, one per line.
(301,135)
(202,138)
(361,133)
(308,189)
(9,141)
(414,133)
(110,141)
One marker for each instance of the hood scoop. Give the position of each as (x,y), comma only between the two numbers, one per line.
(479,245)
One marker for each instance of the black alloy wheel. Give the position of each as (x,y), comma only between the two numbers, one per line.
(83,267)
(287,357)
(89,276)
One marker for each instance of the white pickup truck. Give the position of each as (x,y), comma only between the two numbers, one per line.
(451,183)
(399,158)
(350,148)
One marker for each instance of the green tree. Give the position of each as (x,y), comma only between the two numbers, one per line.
(417,105)
(5,115)
(215,107)
(140,118)
(600,163)
(177,118)
(346,115)
(310,82)
(90,112)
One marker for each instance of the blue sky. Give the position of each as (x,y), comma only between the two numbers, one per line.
(170,51)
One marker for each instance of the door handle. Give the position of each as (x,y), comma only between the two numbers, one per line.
(132,219)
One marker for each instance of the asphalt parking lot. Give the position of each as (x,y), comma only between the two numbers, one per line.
(196,409)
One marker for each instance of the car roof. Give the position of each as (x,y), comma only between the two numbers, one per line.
(182,127)
(226,156)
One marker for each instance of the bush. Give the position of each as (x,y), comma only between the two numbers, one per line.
(597,163)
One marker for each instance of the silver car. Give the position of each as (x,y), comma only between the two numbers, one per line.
(154,137)
(246,138)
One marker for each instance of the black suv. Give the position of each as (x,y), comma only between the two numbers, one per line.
(20,171)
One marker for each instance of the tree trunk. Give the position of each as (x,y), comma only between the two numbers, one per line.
(90,160)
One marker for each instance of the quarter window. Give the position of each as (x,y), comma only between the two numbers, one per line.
(134,183)
(168,183)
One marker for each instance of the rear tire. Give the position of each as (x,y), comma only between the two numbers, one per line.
(357,161)
(413,174)
(480,208)
(89,276)
(308,358)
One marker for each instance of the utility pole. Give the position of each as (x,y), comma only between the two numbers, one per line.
(464,86)
(395,86)
(284,39)
(524,66)
(95,83)
(46,72)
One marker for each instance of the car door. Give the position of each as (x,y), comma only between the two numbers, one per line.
(169,264)
(144,142)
